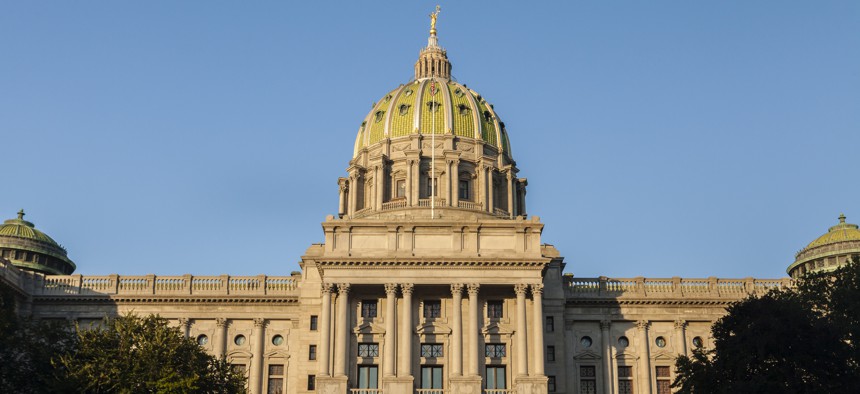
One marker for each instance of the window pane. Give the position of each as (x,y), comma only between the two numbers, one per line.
(625,387)
(662,372)
(587,371)
(314,323)
(664,387)
(276,386)
(276,370)
(368,308)
(367,377)
(432,309)
(625,372)
(588,387)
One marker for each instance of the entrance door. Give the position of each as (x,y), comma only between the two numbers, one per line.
(431,377)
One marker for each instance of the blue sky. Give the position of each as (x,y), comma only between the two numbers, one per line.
(660,138)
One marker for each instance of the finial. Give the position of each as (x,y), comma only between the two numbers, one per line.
(433,16)
(21,214)
(841,218)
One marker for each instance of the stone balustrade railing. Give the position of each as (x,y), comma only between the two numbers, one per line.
(426,202)
(164,285)
(470,205)
(604,287)
(501,212)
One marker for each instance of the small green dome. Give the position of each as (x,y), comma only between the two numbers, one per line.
(30,249)
(829,251)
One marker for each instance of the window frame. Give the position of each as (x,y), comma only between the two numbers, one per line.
(312,352)
(369,309)
(314,323)
(428,313)
(495,309)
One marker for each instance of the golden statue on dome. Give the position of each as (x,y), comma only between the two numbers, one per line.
(433,16)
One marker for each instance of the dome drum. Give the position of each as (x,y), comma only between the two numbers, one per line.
(28,248)
(829,251)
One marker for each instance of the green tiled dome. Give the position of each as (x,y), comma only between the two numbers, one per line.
(28,248)
(413,108)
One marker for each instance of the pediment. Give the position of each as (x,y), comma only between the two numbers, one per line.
(663,356)
(495,328)
(626,356)
(587,355)
(278,354)
(368,328)
(433,327)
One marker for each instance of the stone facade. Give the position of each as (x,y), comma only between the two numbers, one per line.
(432,279)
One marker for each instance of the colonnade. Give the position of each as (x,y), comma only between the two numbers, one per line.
(402,351)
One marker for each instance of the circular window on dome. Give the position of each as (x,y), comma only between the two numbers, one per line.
(202,339)
(585,342)
(239,340)
(660,342)
(277,340)
(697,342)
(623,342)
(408,92)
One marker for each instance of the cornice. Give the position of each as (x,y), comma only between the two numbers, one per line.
(177,299)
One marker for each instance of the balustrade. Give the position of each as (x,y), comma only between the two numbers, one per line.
(429,391)
(642,287)
(470,205)
(365,391)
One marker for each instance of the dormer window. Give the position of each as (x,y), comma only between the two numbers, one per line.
(458,92)
(488,116)
(404,109)
(408,92)
(377,117)
(433,106)
(463,109)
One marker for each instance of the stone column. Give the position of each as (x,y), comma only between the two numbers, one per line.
(341,201)
(473,329)
(680,337)
(644,357)
(342,332)
(456,356)
(511,193)
(256,378)
(325,331)
(405,367)
(522,201)
(409,200)
(221,341)
(490,190)
(606,348)
(378,185)
(390,330)
(455,183)
(522,339)
(353,194)
(537,296)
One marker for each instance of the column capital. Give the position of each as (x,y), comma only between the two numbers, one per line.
(184,322)
(605,324)
(343,289)
(407,288)
(680,324)
(643,325)
(521,289)
(259,322)
(457,289)
(326,288)
(473,289)
(537,289)
(221,322)
(390,288)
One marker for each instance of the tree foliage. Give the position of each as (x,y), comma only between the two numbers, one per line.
(132,354)
(27,348)
(799,340)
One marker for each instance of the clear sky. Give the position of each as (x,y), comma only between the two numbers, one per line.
(660,138)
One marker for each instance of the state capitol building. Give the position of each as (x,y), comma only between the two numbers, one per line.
(432,278)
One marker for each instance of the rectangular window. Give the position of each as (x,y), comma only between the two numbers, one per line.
(314,322)
(400,187)
(664,382)
(431,350)
(494,309)
(625,379)
(432,187)
(368,377)
(464,189)
(549,324)
(276,379)
(587,379)
(431,378)
(550,353)
(312,352)
(550,384)
(432,309)
(312,382)
(368,350)
(368,309)
(495,350)
(495,378)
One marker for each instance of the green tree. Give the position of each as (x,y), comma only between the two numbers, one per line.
(132,354)
(27,349)
(799,340)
